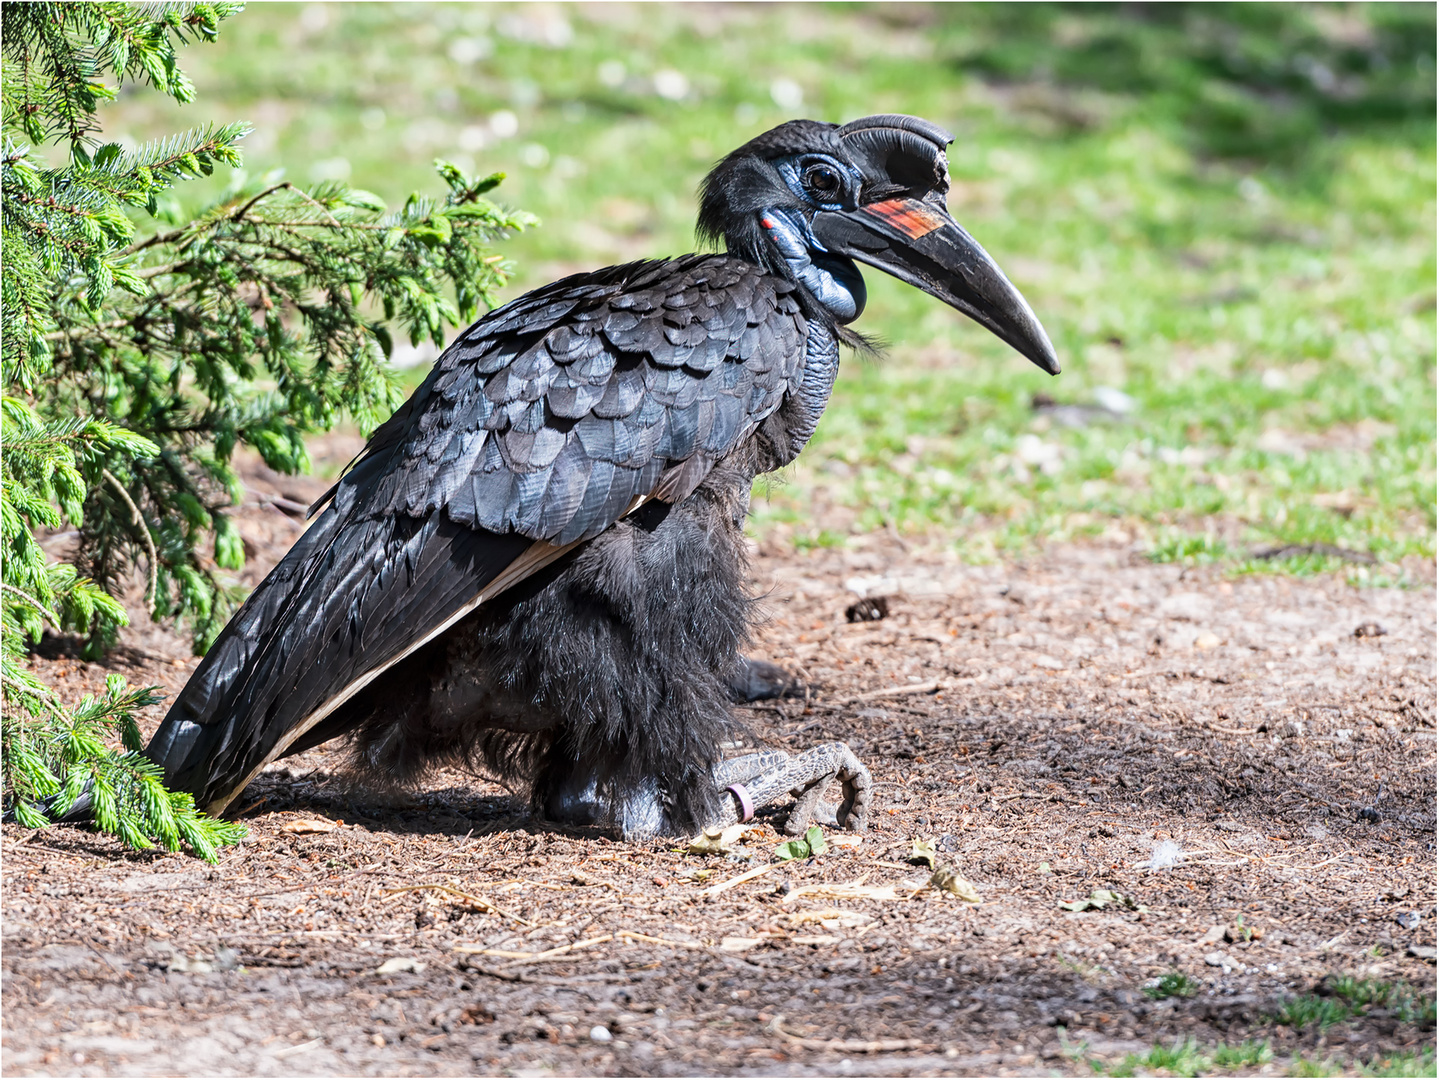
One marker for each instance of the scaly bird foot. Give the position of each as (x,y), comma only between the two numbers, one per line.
(758,780)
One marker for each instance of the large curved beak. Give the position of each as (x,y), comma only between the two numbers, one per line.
(918,242)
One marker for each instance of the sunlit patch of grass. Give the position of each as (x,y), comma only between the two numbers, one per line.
(1176,547)
(1303,1066)
(1302,564)
(1186,1057)
(1402,1063)
(823,538)
(1419,1063)
(1272,319)
(1172,984)
(1183,1058)
(1310,1010)
(1246,1054)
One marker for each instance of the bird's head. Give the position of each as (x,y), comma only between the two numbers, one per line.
(806,199)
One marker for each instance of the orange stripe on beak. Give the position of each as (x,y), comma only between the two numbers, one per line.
(909,216)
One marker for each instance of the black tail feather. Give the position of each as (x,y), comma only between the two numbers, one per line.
(347,599)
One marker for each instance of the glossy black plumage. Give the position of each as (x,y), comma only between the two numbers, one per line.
(633,369)
(545,421)
(537,565)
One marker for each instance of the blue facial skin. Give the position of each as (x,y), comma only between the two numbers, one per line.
(792,169)
(833,280)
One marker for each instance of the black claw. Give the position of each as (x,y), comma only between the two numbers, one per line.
(760,680)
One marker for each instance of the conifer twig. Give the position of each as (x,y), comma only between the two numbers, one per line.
(35,691)
(144,531)
(41,608)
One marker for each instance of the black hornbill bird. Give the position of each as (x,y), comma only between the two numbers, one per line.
(537,566)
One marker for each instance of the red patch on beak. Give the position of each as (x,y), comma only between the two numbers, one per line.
(909,216)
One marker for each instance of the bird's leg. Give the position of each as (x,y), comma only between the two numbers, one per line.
(760,680)
(576,799)
(642,813)
(757,780)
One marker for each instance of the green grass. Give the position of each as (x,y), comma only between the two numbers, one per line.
(1310,1010)
(1185,1057)
(1403,1063)
(1172,984)
(1246,1054)
(1345,997)
(1400,1063)
(1303,1066)
(1419,1010)
(1360,993)
(1272,315)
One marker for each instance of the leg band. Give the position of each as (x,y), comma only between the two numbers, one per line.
(746,804)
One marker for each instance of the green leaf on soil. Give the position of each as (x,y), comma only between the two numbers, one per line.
(812,843)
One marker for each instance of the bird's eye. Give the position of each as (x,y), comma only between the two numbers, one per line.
(822,178)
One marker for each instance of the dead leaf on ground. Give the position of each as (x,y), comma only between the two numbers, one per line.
(947,880)
(830,918)
(1342,502)
(857,890)
(739,944)
(399,963)
(748,875)
(717,841)
(1100,899)
(923,851)
(476,1014)
(310,825)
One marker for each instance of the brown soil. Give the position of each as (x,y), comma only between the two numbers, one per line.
(1050,725)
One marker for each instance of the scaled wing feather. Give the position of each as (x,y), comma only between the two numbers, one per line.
(538,428)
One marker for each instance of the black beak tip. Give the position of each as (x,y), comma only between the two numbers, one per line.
(1033,343)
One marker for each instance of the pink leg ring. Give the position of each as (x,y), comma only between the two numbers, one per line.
(746,804)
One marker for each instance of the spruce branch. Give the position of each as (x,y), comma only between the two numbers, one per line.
(140,527)
(154,350)
(28,599)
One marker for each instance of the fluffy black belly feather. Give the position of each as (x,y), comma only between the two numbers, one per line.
(611,673)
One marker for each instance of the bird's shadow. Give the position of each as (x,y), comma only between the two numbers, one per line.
(457,810)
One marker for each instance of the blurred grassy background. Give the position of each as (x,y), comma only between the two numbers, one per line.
(1224,213)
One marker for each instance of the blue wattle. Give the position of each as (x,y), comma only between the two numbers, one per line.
(833,280)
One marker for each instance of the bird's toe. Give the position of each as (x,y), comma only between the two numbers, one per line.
(760,680)
(858,786)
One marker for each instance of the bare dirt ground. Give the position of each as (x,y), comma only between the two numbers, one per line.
(1050,725)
